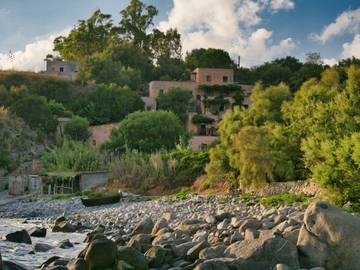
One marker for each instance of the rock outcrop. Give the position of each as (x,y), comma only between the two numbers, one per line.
(19,237)
(329,238)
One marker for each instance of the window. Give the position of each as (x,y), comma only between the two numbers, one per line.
(225,78)
(161,91)
(61,69)
(94,142)
(208,78)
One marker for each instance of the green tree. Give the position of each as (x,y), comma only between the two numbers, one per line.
(166,45)
(88,37)
(176,100)
(58,109)
(58,90)
(266,103)
(136,19)
(77,129)
(148,132)
(222,165)
(72,156)
(208,58)
(36,113)
(107,104)
(264,155)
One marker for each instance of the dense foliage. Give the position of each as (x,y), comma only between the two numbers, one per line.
(72,156)
(18,142)
(140,172)
(77,128)
(313,134)
(35,112)
(176,100)
(147,132)
(106,104)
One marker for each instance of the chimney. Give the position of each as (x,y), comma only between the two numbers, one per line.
(238,64)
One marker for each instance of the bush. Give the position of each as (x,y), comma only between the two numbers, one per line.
(146,132)
(264,155)
(198,119)
(58,109)
(107,104)
(175,100)
(72,156)
(36,113)
(139,171)
(77,129)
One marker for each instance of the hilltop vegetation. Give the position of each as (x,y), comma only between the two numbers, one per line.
(303,121)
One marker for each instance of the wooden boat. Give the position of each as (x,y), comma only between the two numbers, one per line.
(95,201)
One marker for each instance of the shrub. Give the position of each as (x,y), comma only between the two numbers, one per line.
(175,100)
(280,199)
(77,129)
(107,104)
(264,155)
(198,119)
(139,171)
(72,156)
(18,142)
(58,109)
(146,132)
(36,113)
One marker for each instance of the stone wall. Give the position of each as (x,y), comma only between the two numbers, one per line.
(309,188)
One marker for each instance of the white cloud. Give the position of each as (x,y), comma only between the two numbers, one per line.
(32,57)
(230,25)
(330,61)
(353,48)
(276,5)
(346,22)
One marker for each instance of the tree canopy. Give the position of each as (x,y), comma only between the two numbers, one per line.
(147,132)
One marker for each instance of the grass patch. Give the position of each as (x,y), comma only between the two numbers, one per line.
(183,194)
(280,199)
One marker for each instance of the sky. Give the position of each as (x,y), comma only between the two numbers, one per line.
(256,30)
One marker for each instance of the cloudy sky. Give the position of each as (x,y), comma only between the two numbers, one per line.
(257,30)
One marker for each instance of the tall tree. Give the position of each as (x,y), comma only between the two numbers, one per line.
(208,58)
(88,37)
(136,19)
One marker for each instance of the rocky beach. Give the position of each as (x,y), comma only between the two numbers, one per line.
(198,232)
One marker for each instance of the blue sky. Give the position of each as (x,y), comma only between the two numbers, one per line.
(258,30)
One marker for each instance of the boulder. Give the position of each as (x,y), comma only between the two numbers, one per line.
(132,257)
(212,265)
(19,237)
(268,250)
(122,265)
(37,232)
(329,238)
(181,250)
(64,226)
(160,224)
(8,265)
(145,227)
(65,244)
(77,264)
(193,253)
(42,247)
(189,226)
(212,252)
(101,254)
(157,256)
(250,223)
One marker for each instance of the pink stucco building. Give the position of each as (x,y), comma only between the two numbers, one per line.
(201,99)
